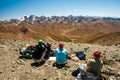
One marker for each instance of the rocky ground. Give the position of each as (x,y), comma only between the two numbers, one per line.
(14,68)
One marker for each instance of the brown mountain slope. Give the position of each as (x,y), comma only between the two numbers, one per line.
(106,39)
(93,28)
(85,31)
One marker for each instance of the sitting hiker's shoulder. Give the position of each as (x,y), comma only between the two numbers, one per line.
(90,60)
(56,50)
(65,49)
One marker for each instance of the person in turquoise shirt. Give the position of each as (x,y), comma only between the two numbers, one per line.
(61,54)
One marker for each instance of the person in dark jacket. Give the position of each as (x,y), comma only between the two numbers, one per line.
(39,52)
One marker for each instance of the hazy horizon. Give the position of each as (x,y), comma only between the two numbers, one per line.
(10,9)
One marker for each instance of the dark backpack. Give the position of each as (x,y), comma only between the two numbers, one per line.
(75,73)
(81,55)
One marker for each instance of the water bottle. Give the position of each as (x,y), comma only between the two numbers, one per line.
(82,67)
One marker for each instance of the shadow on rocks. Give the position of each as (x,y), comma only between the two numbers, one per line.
(24,57)
(60,66)
(37,64)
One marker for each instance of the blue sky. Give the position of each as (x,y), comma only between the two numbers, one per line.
(19,8)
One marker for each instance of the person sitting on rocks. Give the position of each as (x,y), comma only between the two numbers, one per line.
(92,68)
(61,55)
(39,52)
(95,65)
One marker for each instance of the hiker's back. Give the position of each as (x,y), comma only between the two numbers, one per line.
(61,55)
(95,66)
(39,49)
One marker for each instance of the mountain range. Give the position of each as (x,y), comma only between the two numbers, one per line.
(83,29)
